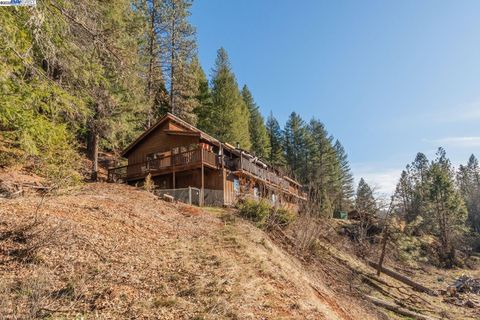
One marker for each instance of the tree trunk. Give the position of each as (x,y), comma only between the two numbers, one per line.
(384,248)
(94,155)
(151,63)
(172,64)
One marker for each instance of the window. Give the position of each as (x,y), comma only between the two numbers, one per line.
(151,156)
(255,192)
(236,185)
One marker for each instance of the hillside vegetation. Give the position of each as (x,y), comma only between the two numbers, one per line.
(114,251)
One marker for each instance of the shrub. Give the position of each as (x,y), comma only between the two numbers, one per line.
(148,185)
(264,214)
(282,216)
(253,210)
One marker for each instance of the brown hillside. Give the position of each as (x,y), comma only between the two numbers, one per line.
(111,251)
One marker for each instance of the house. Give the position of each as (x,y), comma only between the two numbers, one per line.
(194,167)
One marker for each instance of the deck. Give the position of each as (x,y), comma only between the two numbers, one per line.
(194,159)
(178,162)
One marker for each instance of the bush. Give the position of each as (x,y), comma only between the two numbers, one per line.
(282,216)
(253,210)
(149,184)
(263,213)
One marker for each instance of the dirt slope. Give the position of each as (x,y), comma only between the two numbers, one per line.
(109,251)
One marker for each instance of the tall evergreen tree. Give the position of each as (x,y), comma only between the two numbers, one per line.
(365,200)
(366,206)
(89,60)
(412,190)
(229,117)
(256,126)
(276,156)
(204,107)
(295,139)
(446,206)
(321,170)
(157,96)
(468,179)
(178,37)
(345,196)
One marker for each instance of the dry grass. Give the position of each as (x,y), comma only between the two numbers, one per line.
(332,256)
(115,252)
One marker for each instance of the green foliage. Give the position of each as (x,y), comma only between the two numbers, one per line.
(282,216)
(296,149)
(430,202)
(256,126)
(411,249)
(276,155)
(229,116)
(58,84)
(468,179)
(344,198)
(263,213)
(365,201)
(256,211)
(204,109)
(38,115)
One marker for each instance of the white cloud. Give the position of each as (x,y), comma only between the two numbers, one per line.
(459,142)
(469,112)
(383,181)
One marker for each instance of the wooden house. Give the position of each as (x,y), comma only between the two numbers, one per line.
(180,159)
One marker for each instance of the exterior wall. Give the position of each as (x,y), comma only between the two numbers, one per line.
(229,192)
(158,141)
(213,179)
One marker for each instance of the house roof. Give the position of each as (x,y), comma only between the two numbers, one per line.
(177,120)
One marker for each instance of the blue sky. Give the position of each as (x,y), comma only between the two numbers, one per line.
(388,78)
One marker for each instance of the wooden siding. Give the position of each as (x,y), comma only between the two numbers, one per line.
(229,192)
(159,141)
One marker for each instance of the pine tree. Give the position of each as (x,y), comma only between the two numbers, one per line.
(276,156)
(178,37)
(446,206)
(295,139)
(365,201)
(85,58)
(411,191)
(229,117)
(321,168)
(156,93)
(256,128)
(366,206)
(345,196)
(204,107)
(468,179)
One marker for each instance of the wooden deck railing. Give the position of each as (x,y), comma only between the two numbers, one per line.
(262,173)
(166,164)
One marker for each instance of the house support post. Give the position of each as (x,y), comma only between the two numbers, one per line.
(189,195)
(222,159)
(202,191)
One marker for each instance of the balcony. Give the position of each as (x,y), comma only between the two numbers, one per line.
(177,162)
